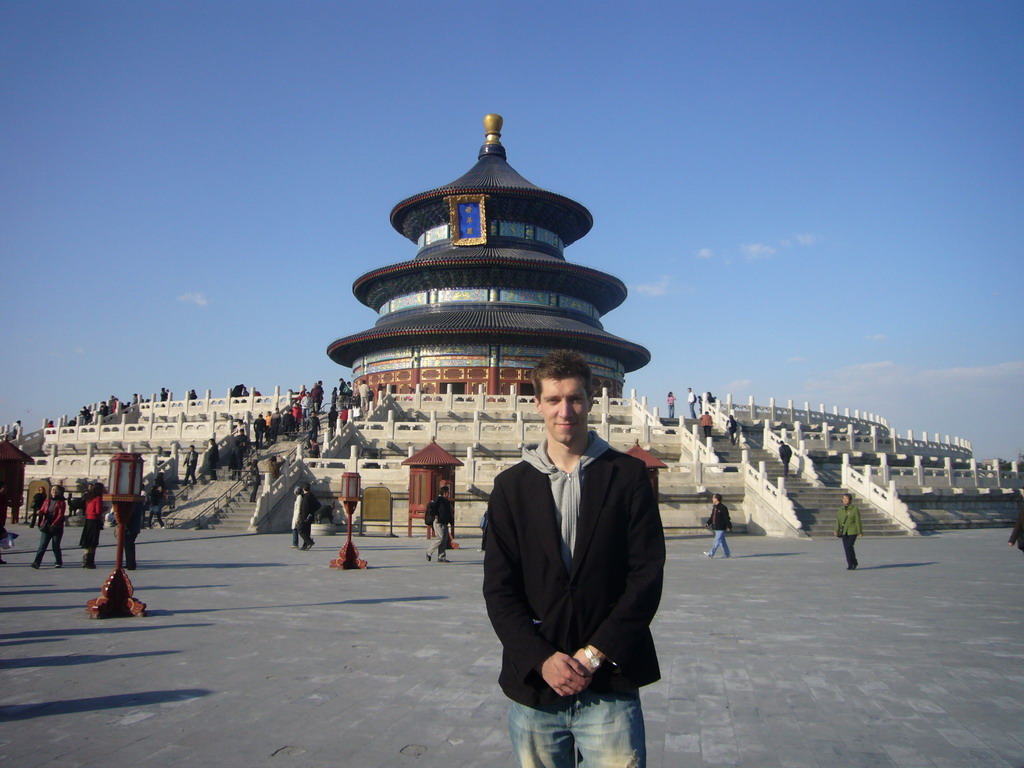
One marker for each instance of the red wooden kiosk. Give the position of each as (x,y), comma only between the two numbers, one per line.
(429,469)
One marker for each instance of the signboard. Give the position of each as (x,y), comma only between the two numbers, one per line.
(376,504)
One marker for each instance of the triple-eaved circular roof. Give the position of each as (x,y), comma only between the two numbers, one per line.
(501,262)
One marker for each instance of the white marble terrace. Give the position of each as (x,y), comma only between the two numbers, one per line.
(487,433)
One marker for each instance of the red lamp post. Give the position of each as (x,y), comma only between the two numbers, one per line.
(124,490)
(348,557)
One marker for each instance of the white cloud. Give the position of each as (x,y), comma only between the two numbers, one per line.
(797,360)
(757,251)
(877,337)
(198,299)
(659,288)
(705,253)
(806,239)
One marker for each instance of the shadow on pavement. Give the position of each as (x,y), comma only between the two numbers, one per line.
(66,661)
(90,590)
(91,704)
(894,565)
(357,601)
(772,554)
(96,629)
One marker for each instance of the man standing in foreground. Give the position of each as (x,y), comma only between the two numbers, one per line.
(572,580)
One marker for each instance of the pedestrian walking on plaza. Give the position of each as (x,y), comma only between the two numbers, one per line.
(132,528)
(438,517)
(1017,534)
(156,503)
(191,462)
(671,405)
(37,504)
(211,460)
(4,504)
(719,522)
(572,580)
(51,526)
(296,516)
(706,422)
(848,528)
(691,400)
(732,427)
(90,538)
(785,454)
(310,505)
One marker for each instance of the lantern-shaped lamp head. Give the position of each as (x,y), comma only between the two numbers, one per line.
(350,488)
(125,477)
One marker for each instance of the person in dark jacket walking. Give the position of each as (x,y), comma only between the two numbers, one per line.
(1017,534)
(212,459)
(785,454)
(132,529)
(191,462)
(438,517)
(719,522)
(307,514)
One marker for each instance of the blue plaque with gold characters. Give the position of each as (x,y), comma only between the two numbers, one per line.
(468,219)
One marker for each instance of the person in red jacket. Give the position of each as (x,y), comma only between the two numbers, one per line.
(51,526)
(93,524)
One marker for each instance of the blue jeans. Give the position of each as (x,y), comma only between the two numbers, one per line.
(606,728)
(50,539)
(720,542)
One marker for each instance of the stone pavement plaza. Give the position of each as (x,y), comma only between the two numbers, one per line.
(256,654)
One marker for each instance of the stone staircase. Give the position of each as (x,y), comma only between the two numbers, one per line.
(816,508)
(234,517)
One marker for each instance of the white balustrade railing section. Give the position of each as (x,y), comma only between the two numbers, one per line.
(800,463)
(772,498)
(885,499)
(852,430)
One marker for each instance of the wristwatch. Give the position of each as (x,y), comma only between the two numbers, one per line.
(593,661)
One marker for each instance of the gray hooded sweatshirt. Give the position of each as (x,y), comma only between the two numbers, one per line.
(565,488)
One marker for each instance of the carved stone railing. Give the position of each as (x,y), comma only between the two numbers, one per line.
(885,500)
(770,507)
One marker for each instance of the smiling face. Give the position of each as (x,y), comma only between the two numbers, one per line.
(564,404)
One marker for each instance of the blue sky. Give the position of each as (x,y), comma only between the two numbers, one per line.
(810,200)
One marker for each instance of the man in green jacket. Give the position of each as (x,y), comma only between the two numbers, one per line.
(848,528)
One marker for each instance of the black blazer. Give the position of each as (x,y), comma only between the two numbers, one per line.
(611,595)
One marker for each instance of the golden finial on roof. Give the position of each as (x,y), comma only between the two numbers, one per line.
(492,124)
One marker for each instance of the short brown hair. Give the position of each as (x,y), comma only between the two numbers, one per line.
(562,364)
